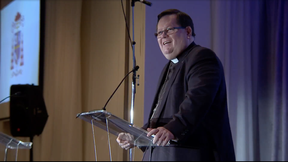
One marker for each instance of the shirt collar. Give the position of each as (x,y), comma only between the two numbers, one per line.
(175,60)
(182,54)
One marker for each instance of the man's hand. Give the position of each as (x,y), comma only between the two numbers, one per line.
(162,135)
(125,140)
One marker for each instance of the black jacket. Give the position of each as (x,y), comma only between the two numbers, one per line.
(194,109)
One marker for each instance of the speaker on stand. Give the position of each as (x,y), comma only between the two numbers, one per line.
(28,114)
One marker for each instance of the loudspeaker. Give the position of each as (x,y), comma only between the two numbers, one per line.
(28,114)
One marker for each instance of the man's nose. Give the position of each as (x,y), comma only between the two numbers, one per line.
(164,35)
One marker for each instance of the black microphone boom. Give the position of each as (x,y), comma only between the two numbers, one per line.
(142,1)
(146,2)
(133,70)
(17,93)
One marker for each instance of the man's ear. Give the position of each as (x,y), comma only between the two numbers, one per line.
(189,31)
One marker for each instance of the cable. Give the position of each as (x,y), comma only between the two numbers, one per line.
(127,28)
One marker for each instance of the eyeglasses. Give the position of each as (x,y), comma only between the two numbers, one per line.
(167,31)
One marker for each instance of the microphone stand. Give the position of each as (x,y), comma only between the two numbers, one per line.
(134,72)
(133,78)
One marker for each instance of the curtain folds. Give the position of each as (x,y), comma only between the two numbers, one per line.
(280,52)
(250,38)
(62,136)
(86,57)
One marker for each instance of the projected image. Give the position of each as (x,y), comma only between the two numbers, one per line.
(17,46)
(20,42)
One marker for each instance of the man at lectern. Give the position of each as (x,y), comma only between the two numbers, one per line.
(190,107)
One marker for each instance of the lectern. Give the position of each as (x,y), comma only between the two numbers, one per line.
(115,125)
(8,142)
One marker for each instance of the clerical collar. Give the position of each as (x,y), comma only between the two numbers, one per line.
(182,54)
(175,60)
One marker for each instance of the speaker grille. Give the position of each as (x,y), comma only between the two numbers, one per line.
(28,114)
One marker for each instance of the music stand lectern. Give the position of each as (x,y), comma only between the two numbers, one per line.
(115,125)
(9,142)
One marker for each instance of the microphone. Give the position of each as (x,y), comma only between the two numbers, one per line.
(133,70)
(146,2)
(16,93)
(142,1)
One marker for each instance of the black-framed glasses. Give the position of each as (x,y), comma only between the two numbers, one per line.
(167,31)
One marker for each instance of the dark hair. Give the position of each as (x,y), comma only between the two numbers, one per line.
(183,19)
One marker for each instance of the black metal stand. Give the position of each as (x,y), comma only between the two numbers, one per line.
(31,150)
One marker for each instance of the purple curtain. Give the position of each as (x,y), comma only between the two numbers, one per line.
(277,60)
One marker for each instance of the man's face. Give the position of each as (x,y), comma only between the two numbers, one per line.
(171,45)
